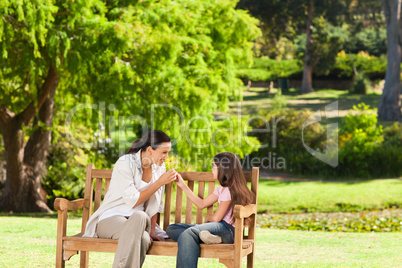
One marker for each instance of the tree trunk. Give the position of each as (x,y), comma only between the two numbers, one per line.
(389,108)
(307,82)
(37,148)
(25,164)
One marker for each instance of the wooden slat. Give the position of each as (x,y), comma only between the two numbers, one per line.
(98,194)
(189,204)
(254,182)
(179,204)
(89,185)
(102,173)
(211,188)
(197,176)
(107,184)
(168,203)
(201,190)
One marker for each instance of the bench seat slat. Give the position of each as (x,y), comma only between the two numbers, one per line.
(158,248)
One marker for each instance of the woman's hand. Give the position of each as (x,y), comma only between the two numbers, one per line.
(154,237)
(168,177)
(179,180)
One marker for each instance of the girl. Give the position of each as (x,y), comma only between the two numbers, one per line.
(135,196)
(219,227)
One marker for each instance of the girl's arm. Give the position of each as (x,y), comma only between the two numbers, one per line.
(219,213)
(200,203)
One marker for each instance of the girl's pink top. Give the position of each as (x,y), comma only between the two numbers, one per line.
(224,195)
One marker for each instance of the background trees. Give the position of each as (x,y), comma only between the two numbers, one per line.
(390,104)
(127,56)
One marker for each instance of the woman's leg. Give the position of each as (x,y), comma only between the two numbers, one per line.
(189,242)
(133,236)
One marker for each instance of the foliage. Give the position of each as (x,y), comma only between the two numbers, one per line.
(361,224)
(359,136)
(364,150)
(361,84)
(67,167)
(327,41)
(373,67)
(284,136)
(265,69)
(370,39)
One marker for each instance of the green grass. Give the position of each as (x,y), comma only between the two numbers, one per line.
(31,242)
(313,196)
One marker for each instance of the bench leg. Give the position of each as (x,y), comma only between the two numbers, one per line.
(84,259)
(227,262)
(60,263)
(250,260)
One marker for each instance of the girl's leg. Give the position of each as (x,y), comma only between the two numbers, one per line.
(189,242)
(175,230)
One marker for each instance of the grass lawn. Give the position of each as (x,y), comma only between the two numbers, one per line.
(31,242)
(294,197)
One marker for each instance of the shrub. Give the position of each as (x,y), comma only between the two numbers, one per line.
(365,150)
(361,84)
(265,69)
(284,138)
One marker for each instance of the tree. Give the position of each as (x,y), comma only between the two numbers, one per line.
(128,55)
(389,107)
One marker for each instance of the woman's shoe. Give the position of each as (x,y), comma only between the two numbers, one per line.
(209,238)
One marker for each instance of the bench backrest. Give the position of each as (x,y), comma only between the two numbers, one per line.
(173,199)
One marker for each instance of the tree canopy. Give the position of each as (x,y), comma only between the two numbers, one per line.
(136,57)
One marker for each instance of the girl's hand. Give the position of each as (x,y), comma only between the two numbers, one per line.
(179,180)
(168,177)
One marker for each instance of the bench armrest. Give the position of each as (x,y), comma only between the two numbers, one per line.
(242,212)
(64,204)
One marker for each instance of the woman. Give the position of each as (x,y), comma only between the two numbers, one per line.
(219,227)
(135,197)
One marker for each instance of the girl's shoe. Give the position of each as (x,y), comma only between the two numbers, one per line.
(209,238)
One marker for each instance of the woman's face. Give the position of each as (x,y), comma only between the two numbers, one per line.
(160,154)
(214,171)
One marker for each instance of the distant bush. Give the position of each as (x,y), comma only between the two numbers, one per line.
(365,150)
(361,84)
(373,67)
(265,69)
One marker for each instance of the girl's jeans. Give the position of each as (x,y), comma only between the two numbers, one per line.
(188,240)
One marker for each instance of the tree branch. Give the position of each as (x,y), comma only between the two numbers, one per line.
(29,112)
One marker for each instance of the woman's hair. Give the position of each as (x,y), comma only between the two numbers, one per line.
(152,138)
(230,174)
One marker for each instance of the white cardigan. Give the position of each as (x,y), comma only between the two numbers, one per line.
(123,191)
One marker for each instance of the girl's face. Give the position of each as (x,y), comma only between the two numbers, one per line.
(160,154)
(214,171)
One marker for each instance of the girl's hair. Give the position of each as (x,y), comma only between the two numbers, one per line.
(230,174)
(152,138)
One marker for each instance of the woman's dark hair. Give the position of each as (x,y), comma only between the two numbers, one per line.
(152,138)
(230,174)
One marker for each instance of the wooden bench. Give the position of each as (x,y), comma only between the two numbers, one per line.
(229,254)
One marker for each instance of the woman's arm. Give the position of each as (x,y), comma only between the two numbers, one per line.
(166,178)
(153,236)
(200,203)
